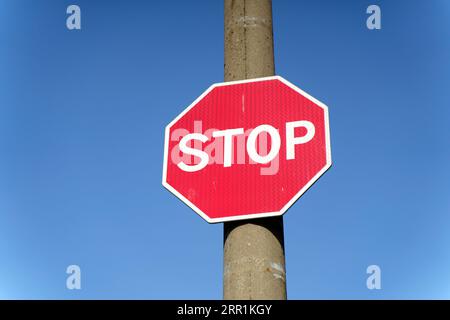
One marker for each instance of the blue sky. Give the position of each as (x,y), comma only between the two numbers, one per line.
(82,117)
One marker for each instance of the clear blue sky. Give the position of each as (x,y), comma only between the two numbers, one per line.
(82,116)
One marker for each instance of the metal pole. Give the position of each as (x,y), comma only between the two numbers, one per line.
(254,263)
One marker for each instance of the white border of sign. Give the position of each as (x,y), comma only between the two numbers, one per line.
(253,215)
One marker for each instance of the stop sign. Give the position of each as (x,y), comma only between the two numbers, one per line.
(246,149)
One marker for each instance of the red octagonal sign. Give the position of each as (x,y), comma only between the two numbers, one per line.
(246,149)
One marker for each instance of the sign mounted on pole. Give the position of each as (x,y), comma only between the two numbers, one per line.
(246,149)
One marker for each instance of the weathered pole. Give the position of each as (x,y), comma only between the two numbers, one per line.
(254,263)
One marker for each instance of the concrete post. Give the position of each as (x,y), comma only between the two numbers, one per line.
(254,263)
